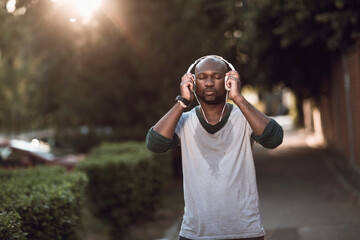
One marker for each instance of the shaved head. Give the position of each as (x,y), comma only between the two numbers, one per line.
(211,63)
(210,74)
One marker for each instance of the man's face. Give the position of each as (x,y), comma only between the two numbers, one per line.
(210,75)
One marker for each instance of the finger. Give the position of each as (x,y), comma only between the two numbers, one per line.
(191,86)
(234,74)
(187,84)
(233,83)
(187,76)
(231,72)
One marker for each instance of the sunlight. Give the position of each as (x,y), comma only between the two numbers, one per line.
(11,6)
(84,8)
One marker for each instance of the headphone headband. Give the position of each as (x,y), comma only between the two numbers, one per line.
(225,81)
(202,58)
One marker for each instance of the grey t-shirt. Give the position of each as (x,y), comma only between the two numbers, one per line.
(220,191)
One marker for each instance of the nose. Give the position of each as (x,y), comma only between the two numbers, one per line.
(209,82)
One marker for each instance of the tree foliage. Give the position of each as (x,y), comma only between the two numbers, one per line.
(122,70)
(291,42)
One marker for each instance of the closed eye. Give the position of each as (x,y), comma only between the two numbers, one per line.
(201,77)
(218,77)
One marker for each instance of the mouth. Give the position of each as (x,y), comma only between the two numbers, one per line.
(209,92)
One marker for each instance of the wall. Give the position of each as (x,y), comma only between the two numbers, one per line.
(340,107)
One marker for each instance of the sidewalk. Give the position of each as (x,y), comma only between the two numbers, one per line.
(300,194)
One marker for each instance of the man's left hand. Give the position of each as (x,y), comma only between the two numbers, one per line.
(234,84)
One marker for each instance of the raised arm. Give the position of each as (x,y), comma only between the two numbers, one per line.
(160,138)
(257,120)
(266,131)
(166,125)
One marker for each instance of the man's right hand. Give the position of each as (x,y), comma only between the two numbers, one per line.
(186,86)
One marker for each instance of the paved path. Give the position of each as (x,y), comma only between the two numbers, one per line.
(301,195)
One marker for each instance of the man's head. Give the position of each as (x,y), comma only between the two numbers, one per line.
(210,76)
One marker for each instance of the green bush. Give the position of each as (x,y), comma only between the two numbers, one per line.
(125,182)
(10,226)
(48,199)
(119,148)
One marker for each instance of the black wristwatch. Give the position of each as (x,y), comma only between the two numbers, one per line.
(183,100)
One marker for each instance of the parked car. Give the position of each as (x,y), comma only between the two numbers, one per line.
(16,152)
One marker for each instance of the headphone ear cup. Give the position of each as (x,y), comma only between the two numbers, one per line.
(194,85)
(226,86)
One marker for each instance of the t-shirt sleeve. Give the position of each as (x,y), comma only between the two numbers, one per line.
(180,126)
(272,135)
(158,143)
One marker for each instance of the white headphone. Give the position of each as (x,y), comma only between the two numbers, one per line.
(194,85)
(198,60)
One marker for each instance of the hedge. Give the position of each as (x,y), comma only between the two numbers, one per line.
(48,199)
(125,182)
(10,226)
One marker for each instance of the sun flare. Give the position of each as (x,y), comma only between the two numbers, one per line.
(85,9)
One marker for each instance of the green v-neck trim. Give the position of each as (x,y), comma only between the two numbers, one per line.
(213,128)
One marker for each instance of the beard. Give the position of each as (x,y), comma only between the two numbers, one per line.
(212,100)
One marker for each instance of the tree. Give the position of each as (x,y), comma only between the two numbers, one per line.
(292,42)
(122,70)
(12,71)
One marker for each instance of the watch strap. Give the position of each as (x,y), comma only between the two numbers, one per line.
(183,100)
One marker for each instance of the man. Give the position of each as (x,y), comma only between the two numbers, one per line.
(220,192)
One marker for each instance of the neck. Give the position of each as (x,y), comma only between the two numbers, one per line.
(213,113)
